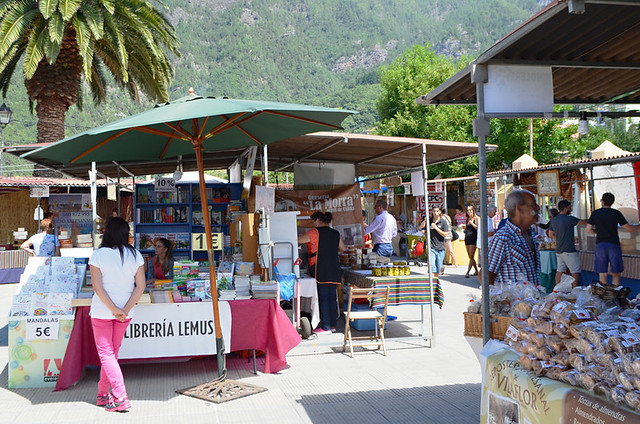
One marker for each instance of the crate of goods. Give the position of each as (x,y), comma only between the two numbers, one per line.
(473,325)
(363,324)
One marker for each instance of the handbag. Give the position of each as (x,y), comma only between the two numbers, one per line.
(454,235)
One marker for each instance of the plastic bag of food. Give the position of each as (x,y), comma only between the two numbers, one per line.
(554,342)
(586,380)
(521,309)
(633,399)
(625,380)
(540,325)
(618,394)
(578,362)
(474,306)
(569,377)
(562,331)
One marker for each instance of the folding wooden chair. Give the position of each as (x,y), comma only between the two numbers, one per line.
(371,314)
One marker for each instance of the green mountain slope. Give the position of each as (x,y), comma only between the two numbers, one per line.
(317,52)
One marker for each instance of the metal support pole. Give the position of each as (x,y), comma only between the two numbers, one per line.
(428,243)
(481,129)
(265,165)
(2,155)
(118,192)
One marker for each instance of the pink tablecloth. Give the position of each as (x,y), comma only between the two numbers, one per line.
(255,324)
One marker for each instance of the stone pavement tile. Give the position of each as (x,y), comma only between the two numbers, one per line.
(343,413)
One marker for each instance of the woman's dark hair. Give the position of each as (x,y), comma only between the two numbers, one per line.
(322,217)
(116,234)
(317,216)
(167,258)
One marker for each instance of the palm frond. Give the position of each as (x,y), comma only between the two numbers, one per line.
(56,28)
(8,66)
(15,23)
(68,8)
(98,82)
(34,52)
(47,7)
(94,19)
(109,5)
(51,50)
(85,45)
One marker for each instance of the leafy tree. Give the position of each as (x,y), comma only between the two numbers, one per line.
(60,41)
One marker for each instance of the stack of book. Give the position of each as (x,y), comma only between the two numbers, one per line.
(264,289)
(226,294)
(84,240)
(243,286)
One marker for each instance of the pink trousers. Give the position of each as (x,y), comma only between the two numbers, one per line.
(108,335)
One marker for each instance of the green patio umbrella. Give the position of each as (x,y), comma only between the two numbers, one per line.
(188,125)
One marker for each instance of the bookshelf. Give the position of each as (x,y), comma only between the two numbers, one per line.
(176,216)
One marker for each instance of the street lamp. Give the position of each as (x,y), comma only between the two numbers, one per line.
(5,118)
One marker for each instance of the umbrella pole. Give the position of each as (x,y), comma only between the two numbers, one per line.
(212,264)
(220,389)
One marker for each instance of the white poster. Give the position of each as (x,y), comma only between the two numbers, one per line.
(175,329)
(265,198)
(518,89)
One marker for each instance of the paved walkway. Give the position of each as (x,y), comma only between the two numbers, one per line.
(414,383)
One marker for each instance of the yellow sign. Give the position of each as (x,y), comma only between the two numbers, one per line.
(199,241)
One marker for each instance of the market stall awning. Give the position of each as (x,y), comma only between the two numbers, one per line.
(372,155)
(592,46)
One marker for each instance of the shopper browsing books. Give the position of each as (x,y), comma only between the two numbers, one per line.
(117,275)
(160,267)
(45,243)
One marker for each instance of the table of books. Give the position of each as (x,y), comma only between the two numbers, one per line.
(512,394)
(258,324)
(405,289)
(12,263)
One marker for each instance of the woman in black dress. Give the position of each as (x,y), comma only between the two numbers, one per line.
(325,266)
(471,238)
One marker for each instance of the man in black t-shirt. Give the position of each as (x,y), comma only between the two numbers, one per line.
(604,223)
(439,230)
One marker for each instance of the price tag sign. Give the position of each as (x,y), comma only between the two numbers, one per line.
(165,184)
(199,241)
(42,328)
(39,191)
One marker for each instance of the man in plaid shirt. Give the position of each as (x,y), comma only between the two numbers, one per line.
(513,254)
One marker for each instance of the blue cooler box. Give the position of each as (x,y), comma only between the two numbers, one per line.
(363,324)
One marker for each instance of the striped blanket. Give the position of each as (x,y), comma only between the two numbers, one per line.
(405,290)
(13,259)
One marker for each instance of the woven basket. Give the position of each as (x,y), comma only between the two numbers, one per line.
(473,325)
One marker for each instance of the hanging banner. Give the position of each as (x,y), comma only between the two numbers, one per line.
(437,197)
(343,203)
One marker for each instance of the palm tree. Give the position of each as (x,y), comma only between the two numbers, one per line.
(62,41)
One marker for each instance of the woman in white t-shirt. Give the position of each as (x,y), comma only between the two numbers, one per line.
(117,275)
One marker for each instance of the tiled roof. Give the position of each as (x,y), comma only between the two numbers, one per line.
(51,182)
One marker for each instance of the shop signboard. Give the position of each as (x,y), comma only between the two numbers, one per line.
(163,330)
(39,191)
(36,349)
(512,394)
(343,203)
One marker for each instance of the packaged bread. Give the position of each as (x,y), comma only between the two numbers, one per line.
(603,389)
(540,325)
(570,345)
(586,380)
(527,361)
(553,372)
(625,380)
(577,361)
(633,399)
(544,353)
(554,342)
(569,377)
(561,358)
(580,315)
(618,394)
(522,309)
(561,330)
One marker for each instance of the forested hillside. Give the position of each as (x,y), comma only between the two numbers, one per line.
(325,52)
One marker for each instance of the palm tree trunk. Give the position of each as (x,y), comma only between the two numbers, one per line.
(54,88)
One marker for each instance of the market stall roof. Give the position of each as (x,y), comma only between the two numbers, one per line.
(592,46)
(372,155)
(53,182)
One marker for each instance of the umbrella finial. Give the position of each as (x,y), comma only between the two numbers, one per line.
(192,92)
